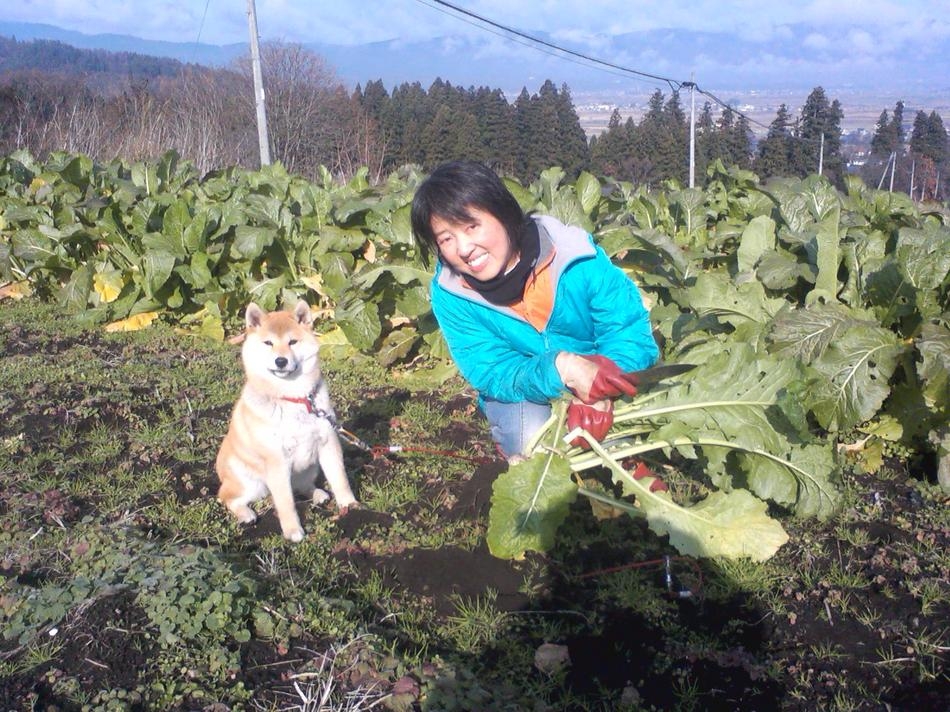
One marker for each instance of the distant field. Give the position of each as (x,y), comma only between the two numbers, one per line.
(860,111)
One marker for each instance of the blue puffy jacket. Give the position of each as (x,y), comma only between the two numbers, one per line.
(597,309)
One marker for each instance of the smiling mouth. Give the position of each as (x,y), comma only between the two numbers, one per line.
(477,262)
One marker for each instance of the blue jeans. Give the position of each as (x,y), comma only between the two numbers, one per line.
(513,424)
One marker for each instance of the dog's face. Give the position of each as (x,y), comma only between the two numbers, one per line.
(280,344)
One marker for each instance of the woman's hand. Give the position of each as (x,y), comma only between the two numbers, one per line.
(596,418)
(577,373)
(592,378)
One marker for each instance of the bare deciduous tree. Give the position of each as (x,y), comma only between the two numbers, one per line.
(311,120)
(206,115)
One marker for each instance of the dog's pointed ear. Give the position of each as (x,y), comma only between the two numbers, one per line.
(253,316)
(302,313)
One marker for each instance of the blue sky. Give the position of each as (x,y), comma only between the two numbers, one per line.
(891,44)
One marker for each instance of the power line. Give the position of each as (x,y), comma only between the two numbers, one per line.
(202,23)
(724,105)
(201,26)
(518,40)
(674,84)
(558,51)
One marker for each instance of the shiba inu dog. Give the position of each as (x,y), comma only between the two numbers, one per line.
(282,431)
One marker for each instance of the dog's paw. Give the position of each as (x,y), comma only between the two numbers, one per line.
(245,515)
(343,509)
(320,496)
(294,535)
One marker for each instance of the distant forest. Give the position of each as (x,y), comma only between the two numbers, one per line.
(54,97)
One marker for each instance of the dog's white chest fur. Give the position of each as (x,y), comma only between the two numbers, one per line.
(301,433)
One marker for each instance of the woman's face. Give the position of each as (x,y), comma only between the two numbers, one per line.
(478,247)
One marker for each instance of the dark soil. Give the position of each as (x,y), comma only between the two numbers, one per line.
(808,642)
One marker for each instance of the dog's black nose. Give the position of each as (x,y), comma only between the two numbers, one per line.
(280,362)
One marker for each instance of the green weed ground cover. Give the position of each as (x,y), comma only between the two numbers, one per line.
(124,584)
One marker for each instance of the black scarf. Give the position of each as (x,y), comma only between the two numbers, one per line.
(508,287)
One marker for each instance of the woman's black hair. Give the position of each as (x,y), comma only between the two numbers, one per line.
(451,191)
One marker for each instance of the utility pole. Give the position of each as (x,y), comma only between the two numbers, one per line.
(258,86)
(692,132)
(887,167)
(821,153)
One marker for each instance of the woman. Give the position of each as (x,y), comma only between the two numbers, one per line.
(531,309)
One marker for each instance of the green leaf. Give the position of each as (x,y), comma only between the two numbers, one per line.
(77,171)
(33,247)
(587,188)
(145,176)
(402,274)
(548,184)
(801,481)
(727,396)
(807,333)
(924,256)
(854,373)
(397,345)
(359,320)
(175,221)
(526,199)
(690,211)
(336,239)
(413,302)
(934,368)
(392,224)
(432,335)
(201,276)
(757,239)
(336,270)
(529,503)
(714,293)
(888,290)
(780,270)
(827,253)
(267,292)
(75,293)
(251,241)
(195,236)
(160,242)
(265,210)
(157,266)
(649,211)
(724,524)
(568,209)
(732,525)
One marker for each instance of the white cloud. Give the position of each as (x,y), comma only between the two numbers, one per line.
(861,42)
(816,40)
(870,25)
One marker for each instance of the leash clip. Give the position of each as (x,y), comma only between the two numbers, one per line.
(351,438)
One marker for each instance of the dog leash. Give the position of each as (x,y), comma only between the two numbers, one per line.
(311,402)
(674,588)
(379,450)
